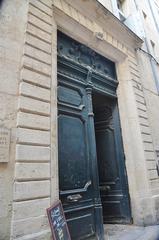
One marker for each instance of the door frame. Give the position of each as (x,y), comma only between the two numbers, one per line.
(82,66)
(139,190)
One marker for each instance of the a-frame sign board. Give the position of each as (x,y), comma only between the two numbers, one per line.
(58,222)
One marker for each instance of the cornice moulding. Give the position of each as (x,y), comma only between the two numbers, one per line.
(99,20)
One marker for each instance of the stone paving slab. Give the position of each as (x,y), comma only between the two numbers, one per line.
(130,232)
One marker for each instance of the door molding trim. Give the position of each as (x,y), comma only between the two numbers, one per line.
(139,187)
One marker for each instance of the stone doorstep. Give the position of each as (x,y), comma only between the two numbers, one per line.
(130,232)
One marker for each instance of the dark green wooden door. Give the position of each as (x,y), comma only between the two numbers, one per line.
(81,71)
(78,172)
(77,190)
(111,165)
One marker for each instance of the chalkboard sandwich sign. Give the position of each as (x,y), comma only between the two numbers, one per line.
(58,222)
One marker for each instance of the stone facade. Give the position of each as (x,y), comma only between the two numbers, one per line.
(28,93)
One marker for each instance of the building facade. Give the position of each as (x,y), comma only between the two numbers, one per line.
(79,104)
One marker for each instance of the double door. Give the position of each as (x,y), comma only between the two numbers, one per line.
(92,176)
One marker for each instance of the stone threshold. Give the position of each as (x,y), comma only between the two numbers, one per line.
(130,232)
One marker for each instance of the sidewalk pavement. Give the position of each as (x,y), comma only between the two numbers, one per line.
(130,232)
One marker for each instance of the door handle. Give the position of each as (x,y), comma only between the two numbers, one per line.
(74,198)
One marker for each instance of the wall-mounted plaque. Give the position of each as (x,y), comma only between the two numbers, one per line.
(4,144)
(58,222)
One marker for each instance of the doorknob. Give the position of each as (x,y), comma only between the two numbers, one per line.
(74,198)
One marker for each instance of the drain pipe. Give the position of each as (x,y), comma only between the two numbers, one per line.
(153,67)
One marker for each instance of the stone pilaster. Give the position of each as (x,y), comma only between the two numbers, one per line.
(32,188)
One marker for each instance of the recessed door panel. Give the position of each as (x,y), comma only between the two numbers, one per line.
(85,220)
(69,96)
(105,141)
(73,151)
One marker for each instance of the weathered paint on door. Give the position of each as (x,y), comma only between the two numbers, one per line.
(78,174)
(111,166)
(76,186)
(80,72)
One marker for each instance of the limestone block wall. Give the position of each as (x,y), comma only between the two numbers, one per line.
(11,47)
(143,119)
(147,77)
(107,4)
(32,188)
(150,82)
(152,103)
(147,107)
(146,129)
(142,206)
